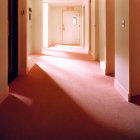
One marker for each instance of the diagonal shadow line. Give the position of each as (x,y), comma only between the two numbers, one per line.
(69,55)
(80,57)
(54,115)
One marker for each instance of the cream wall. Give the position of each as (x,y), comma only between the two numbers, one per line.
(93,28)
(56,25)
(37,34)
(105,34)
(57,21)
(96,29)
(3,45)
(122,44)
(83,26)
(87,24)
(102,33)
(50,26)
(29,28)
(135,47)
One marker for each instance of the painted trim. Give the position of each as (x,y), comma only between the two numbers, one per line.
(4,95)
(19,9)
(123,92)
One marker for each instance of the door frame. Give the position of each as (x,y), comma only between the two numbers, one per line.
(89,2)
(22,38)
(13,57)
(83,27)
(63,24)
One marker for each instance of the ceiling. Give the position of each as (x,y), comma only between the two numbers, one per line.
(65,2)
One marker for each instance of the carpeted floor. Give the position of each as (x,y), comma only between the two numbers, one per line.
(66,96)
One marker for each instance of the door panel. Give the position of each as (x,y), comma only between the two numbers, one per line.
(71,27)
(13,40)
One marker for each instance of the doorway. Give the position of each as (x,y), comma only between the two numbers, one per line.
(12,40)
(71,28)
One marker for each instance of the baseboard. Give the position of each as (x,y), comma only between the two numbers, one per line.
(102,66)
(4,95)
(135,94)
(36,52)
(109,73)
(51,45)
(123,92)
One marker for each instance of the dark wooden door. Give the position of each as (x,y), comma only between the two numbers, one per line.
(13,40)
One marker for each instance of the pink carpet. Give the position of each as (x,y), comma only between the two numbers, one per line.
(65,96)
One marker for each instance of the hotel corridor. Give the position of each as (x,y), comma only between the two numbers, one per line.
(66,96)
